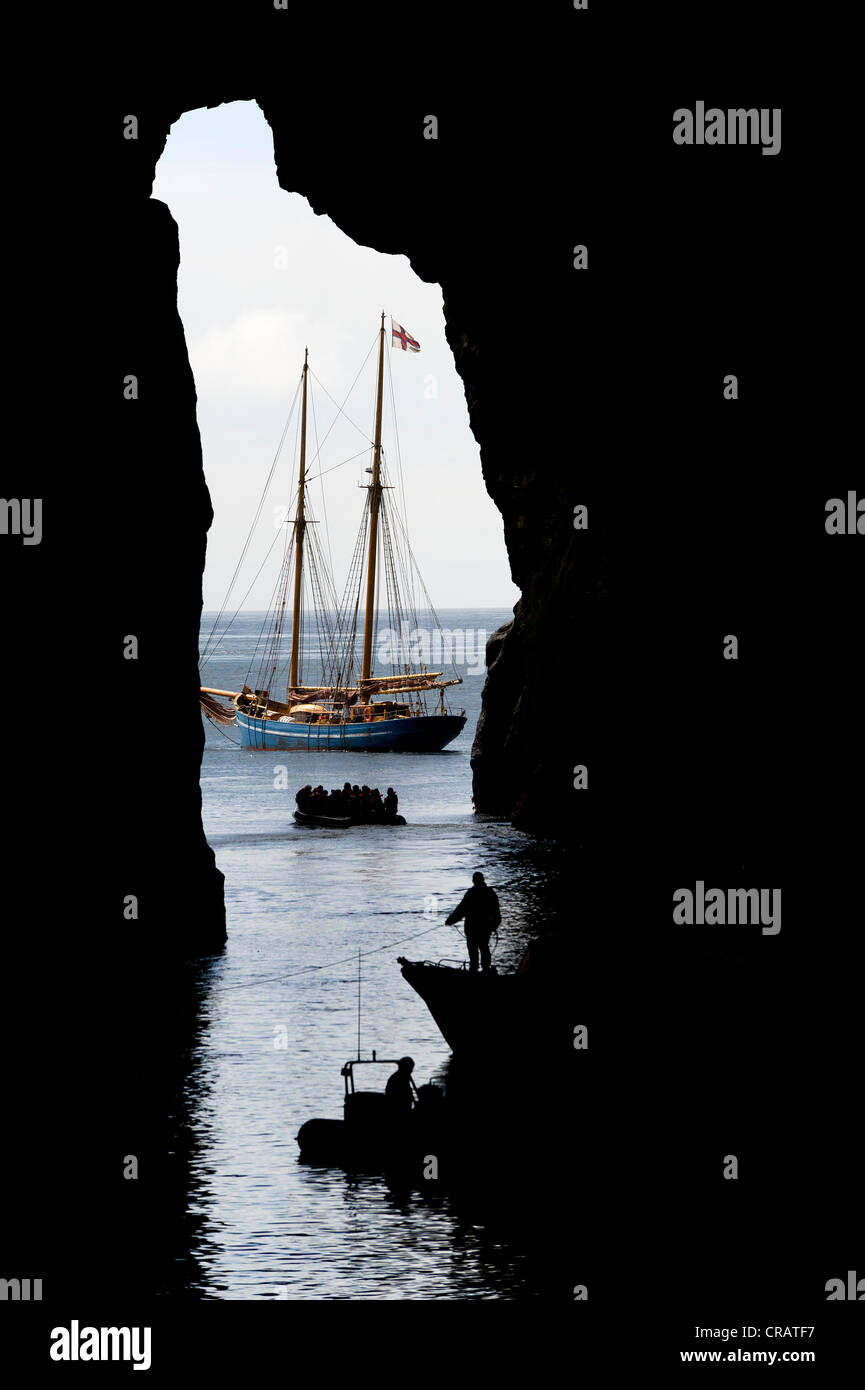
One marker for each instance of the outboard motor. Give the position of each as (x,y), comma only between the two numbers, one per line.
(430,1098)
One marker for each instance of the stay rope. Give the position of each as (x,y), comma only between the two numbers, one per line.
(328,964)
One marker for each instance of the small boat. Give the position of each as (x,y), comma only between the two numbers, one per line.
(471,1009)
(326,822)
(474,1009)
(368,1136)
(344,822)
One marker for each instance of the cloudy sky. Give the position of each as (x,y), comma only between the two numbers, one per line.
(262,277)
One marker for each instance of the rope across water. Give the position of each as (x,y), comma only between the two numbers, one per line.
(325,965)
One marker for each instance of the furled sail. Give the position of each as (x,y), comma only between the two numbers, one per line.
(376,685)
(216,711)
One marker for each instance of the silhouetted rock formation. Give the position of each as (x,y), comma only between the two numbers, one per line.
(599,388)
(515,771)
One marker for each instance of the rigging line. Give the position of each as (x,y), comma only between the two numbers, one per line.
(225,631)
(265,636)
(401,477)
(346,621)
(405,563)
(350,389)
(312,476)
(377,611)
(402,574)
(255,520)
(423,586)
(396,441)
(272,615)
(321,475)
(394,597)
(306,969)
(328,602)
(279,530)
(219,729)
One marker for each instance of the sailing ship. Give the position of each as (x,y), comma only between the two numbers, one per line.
(350,706)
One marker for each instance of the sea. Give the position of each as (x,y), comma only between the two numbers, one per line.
(309,978)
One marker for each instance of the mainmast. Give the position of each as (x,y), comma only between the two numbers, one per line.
(374,504)
(299,529)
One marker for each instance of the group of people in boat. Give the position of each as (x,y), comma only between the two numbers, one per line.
(361,803)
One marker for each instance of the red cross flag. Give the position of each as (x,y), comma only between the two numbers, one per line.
(403,338)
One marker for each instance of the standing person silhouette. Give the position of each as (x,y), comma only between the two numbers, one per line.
(480,908)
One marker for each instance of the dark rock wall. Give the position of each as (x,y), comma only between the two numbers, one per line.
(162,563)
(448,223)
(600,388)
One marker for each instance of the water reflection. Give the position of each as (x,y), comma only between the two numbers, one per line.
(279,1018)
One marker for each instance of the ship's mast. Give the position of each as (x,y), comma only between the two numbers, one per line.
(374,504)
(299,529)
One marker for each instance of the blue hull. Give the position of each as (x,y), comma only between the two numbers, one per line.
(428,734)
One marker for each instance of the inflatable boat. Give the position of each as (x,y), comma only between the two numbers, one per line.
(370,1135)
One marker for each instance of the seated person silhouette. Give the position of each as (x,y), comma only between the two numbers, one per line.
(399,1090)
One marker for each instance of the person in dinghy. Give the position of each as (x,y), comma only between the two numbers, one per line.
(347,806)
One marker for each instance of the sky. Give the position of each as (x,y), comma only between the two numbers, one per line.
(261,278)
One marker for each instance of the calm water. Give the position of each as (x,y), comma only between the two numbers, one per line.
(280,1013)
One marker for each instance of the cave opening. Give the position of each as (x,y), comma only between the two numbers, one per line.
(261,278)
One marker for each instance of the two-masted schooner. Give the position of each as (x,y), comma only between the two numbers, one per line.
(350,706)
